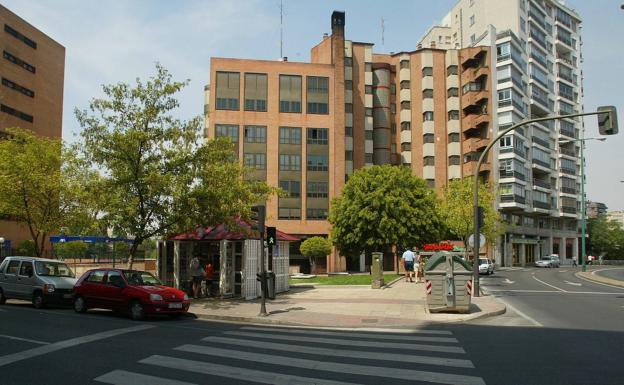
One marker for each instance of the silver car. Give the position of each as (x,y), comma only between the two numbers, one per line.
(42,281)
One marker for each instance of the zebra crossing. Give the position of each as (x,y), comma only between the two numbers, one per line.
(272,355)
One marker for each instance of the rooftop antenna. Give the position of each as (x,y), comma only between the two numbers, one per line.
(281,29)
(383,29)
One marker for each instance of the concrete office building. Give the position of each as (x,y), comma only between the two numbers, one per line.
(538,73)
(306,127)
(31,95)
(617,216)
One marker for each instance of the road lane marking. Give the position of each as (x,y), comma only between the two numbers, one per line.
(354,335)
(30,353)
(523,291)
(122,377)
(369,344)
(599,283)
(212,369)
(415,359)
(23,339)
(573,283)
(328,366)
(521,314)
(548,284)
(508,281)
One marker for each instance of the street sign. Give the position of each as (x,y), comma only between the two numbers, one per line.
(481,240)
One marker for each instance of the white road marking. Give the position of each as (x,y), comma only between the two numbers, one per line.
(508,281)
(328,366)
(523,291)
(369,344)
(24,339)
(122,377)
(354,335)
(30,353)
(212,369)
(599,283)
(573,283)
(548,284)
(521,314)
(370,355)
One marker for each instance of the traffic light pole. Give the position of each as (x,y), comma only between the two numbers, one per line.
(475,191)
(263,279)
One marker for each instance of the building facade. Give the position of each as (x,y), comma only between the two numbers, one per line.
(538,73)
(595,209)
(306,127)
(31,95)
(617,216)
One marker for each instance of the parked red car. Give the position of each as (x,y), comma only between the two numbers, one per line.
(134,292)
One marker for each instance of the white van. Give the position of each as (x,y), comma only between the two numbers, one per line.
(42,281)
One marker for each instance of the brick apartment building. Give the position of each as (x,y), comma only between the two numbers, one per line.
(306,127)
(31,95)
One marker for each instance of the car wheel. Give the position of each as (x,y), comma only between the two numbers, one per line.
(37,300)
(137,312)
(80,306)
(2,298)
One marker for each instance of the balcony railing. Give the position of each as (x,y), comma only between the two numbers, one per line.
(515,150)
(513,198)
(566,60)
(541,163)
(541,183)
(568,190)
(565,76)
(567,152)
(568,133)
(568,209)
(541,205)
(540,141)
(568,171)
(511,174)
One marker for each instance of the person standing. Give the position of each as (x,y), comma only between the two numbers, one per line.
(197,275)
(408,265)
(421,267)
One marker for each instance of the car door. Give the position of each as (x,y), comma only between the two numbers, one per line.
(92,288)
(9,278)
(25,281)
(112,291)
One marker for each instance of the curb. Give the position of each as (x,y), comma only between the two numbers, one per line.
(587,276)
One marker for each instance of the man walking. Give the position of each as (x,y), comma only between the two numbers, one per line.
(408,264)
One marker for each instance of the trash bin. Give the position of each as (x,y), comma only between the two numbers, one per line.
(377,271)
(448,283)
(270,293)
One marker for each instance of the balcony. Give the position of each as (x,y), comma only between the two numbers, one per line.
(513,198)
(568,133)
(566,60)
(541,183)
(565,151)
(569,209)
(515,150)
(541,205)
(511,174)
(540,141)
(475,98)
(476,58)
(568,171)
(470,166)
(475,144)
(568,190)
(476,121)
(540,163)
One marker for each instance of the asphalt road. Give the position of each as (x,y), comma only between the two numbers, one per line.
(558,334)
(613,272)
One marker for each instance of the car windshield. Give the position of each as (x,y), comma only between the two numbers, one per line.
(545,258)
(53,269)
(140,278)
(483,262)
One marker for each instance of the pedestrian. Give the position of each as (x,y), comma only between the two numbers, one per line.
(408,265)
(197,275)
(209,278)
(421,268)
(574,264)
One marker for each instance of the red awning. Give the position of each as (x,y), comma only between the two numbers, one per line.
(222,231)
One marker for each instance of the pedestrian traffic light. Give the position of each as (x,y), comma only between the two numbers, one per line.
(607,121)
(271,236)
(258,214)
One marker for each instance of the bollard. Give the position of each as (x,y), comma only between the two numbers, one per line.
(377,271)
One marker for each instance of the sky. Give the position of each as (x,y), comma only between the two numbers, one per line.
(119,40)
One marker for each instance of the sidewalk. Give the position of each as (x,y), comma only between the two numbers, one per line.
(401,305)
(591,276)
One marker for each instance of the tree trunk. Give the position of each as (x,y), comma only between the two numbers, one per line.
(132,252)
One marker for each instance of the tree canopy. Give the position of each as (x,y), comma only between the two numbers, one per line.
(605,237)
(315,247)
(158,174)
(381,206)
(457,210)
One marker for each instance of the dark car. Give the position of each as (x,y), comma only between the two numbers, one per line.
(134,292)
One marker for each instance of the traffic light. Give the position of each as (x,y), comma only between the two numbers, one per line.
(271,236)
(607,122)
(258,214)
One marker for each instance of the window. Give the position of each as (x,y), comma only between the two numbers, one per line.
(12,111)
(428,138)
(13,267)
(316,213)
(256,92)
(228,90)
(406,146)
(404,64)
(405,105)
(96,277)
(318,162)
(429,161)
(229,130)
(506,141)
(26,270)
(472,20)
(348,84)
(427,71)
(368,90)
(17,87)
(290,93)
(114,278)
(451,70)
(349,108)
(317,136)
(292,188)
(452,92)
(522,25)
(318,190)
(318,95)
(368,135)
(427,116)
(405,85)
(368,158)
(19,62)
(453,115)
(348,131)
(453,137)
(406,126)
(257,161)
(290,135)
(255,134)
(368,111)
(427,93)
(453,160)
(348,62)
(289,162)
(348,155)
(19,36)
(289,213)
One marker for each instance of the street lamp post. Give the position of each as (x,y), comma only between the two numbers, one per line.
(1,248)
(475,191)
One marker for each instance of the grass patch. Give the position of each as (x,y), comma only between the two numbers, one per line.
(360,279)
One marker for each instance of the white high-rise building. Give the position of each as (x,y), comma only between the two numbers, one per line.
(538,73)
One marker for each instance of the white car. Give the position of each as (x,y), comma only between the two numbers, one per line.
(486,266)
(548,261)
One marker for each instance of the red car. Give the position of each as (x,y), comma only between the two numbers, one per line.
(129,291)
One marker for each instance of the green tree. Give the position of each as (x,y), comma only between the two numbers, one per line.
(74,249)
(26,248)
(159,175)
(315,247)
(458,212)
(381,206)
(41,184)
(606,238)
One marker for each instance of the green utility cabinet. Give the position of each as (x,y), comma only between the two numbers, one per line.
(448,283)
